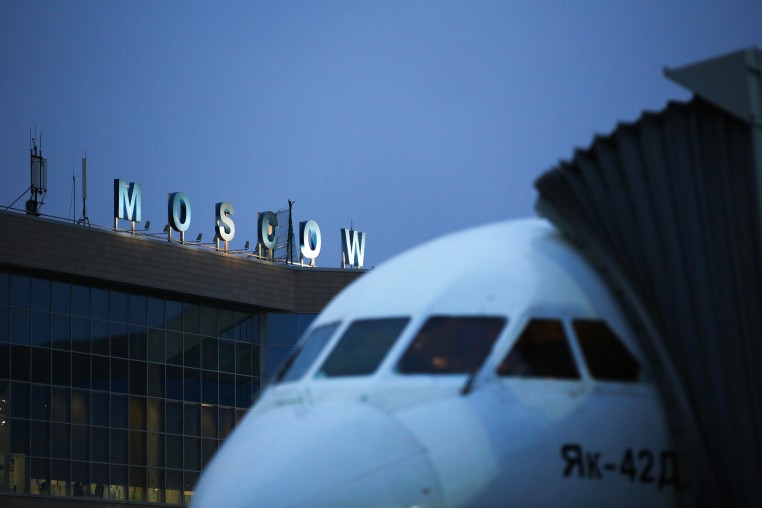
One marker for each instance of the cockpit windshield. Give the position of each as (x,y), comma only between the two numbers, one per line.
(298,363)
(363,347)
(451,345)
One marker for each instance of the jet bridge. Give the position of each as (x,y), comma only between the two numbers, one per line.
(669,208)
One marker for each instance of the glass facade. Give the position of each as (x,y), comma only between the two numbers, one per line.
(124,394)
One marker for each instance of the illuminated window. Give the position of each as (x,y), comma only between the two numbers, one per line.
(606,357)
(542,351)
(451,345)
(363,347)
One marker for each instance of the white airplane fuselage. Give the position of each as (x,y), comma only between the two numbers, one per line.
(506,433)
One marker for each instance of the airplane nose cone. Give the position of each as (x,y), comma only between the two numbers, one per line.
(340,454)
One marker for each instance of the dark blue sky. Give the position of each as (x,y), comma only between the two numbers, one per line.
(411,119)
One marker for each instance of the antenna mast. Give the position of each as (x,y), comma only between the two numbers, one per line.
(38,167)
(84,219)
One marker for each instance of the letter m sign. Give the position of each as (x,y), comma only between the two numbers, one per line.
(126,200)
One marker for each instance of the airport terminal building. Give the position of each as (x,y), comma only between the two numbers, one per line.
(126,359)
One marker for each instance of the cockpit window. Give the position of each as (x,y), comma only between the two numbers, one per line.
(541,351)
(298,363)
(362,347)
(451,345)
(607,358)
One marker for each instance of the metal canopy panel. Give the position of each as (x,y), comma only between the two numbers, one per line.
(669,209)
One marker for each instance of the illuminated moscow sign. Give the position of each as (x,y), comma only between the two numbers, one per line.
(128,202)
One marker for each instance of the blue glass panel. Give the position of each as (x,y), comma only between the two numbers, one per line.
(101,373)
(118,449)
(190,318)
(119,375)
(281,328)
(61,404)
(243,391)
(174,419)
(80,334)
(20,291)
(174,452)
(174,383)
(40,402)
(101,337)
(138,413)
(174,316)
(192,419)
(174,341)
(192,454)
(20,363)
(138,312)
(80,300)
(119,340)
(243,358)
(99,410)
(226,422)
(155,386)
(60,332)
(155,418)
(209,387)
(20,326)
(227,355)
(208,422)
(137,378)
(60,297)
(226,324)
(192,350)
(209,353)
(19,402)
(137,342)
(61,368)
(119,411)
(5,283)
(155,312)
(227,389)
(20,433)
(5,365)
(80,407)
(100,448)
(100,304)
(80,370)
(40,294)
(40,440)
(119,306)
(59,438)
(155,351)
(40,328)
(208,321)
(41,365)
(208,449)
(5,325)
(192,391)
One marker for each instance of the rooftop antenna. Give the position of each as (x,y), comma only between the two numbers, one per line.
(73,202)
(84,219)
(39,175)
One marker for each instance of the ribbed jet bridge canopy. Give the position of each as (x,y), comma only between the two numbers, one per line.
(669,208)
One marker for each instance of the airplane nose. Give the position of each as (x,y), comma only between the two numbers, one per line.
(331,454)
